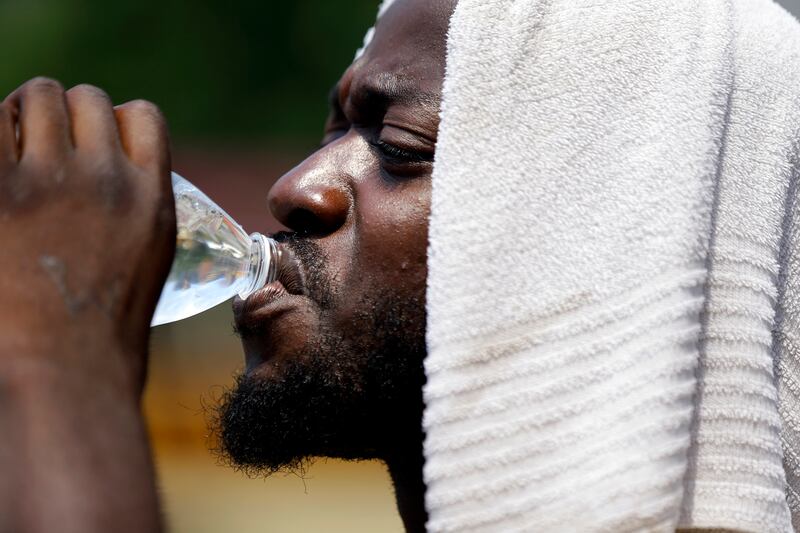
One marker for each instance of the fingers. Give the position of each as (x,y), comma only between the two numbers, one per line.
(144,136)
(94,125)
(8,136)
(52,122)
(42,118)
(41,123)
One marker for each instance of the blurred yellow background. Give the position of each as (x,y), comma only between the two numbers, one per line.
(189,362)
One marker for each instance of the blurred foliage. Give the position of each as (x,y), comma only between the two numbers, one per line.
(220,71)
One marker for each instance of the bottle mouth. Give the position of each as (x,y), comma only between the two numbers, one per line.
(264,255)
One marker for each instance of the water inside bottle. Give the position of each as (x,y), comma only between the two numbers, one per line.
(212,258)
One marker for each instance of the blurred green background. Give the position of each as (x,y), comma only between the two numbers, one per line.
(244,88)
(221,71)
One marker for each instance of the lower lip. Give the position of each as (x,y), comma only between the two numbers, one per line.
(265,295)
(265,302)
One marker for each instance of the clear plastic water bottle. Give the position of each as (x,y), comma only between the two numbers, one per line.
(214,260)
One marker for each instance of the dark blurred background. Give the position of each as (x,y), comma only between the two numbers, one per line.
(244,87)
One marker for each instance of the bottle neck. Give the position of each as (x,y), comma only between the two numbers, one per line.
(263,264)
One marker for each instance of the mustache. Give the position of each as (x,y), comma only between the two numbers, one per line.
(314,264)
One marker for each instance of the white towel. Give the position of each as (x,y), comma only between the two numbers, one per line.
(613,268)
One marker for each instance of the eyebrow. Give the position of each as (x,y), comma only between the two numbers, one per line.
(383,90)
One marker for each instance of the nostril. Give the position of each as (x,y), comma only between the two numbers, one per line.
(305,221)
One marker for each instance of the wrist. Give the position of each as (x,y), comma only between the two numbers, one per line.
(67,363)
(79,457)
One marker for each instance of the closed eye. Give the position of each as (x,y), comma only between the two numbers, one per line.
(400,155)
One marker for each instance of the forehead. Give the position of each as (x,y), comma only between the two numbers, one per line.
(408,49)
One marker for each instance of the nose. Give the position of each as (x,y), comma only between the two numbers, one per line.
(311,198)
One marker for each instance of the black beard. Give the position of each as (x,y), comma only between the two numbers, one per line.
(350,397)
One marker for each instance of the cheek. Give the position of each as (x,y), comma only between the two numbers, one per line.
(392,235)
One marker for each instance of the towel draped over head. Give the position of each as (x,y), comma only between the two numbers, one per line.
(613,296)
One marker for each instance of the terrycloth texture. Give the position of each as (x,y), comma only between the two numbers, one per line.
(613,268)
(736,479)
(787,346)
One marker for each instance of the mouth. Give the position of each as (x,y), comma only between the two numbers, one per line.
(289,285)
(290,273)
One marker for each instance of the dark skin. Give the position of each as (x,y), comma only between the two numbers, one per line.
(363,198)
(74,311)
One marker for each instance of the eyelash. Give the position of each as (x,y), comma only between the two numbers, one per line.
(395,153)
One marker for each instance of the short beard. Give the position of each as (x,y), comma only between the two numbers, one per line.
(350,397)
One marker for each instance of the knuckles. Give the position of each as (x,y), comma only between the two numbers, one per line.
(43,84)
(143,109)
(84,90)
(105,178)
(35,87)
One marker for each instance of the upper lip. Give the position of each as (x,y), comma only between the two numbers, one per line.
(290,280)
(290,273)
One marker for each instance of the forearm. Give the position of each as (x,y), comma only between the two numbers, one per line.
(74,454)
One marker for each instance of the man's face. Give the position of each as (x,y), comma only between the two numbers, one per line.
(334,354)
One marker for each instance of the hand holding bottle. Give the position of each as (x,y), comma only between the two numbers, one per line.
(86,224)
(87,235)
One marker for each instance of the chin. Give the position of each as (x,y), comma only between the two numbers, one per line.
(290,330)
(347,385)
